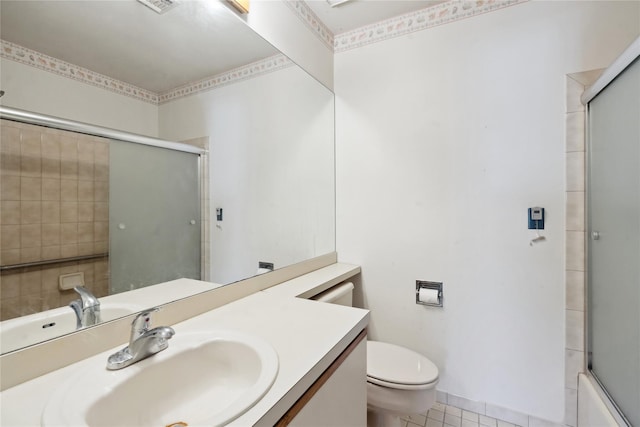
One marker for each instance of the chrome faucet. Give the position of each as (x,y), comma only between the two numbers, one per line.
(143,342)
(87,308)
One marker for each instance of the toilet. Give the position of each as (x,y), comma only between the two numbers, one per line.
(399,381)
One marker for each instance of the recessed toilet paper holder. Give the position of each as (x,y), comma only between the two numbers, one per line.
(437,286)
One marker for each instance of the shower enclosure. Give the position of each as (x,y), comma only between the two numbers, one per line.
(613,206)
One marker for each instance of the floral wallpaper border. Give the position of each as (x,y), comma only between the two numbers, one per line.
(44,62)
(311,20)
(433,16)
(267,65)
(14,52)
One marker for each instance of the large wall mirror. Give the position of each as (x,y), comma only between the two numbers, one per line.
(194,73)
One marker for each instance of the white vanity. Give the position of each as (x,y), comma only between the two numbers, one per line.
(320,378)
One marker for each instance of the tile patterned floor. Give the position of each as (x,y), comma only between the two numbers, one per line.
(441,415)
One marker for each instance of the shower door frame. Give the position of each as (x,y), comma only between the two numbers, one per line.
(631,54)
(29,117)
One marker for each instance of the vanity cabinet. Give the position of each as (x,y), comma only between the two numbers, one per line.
(339,397)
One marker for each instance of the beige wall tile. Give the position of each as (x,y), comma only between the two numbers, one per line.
(50,279)
(571,407)
(9,138)
(101,152)
(574,92)
(101,231)
(85,170)
(30,254)
(10,188)
(51,146)
(101,191)
(51,188)
(31,212)
(30,304)
(85,249)
(51,252)
(10,238)
(30,154)
(68,212)
(31,283)
(30,188)
(86,191)
(10,256)
(575,171)
(67,296)
(50,300)
(574,330)
(51,234)
(68,190)
(101,211)
(69,233)
(68,251)
(10,308)
(68,158)
(10,164)
(51,212)
(85,212)
(575,251)
(574,364)
(10,285)
(10,212)
(101,172)
(50,168)
(575,290)
(30,235)
(101,247)
(575,211)
(575,136)
(85,232)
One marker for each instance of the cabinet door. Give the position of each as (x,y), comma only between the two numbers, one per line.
(342,399)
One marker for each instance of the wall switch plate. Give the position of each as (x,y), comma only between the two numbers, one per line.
(536,218)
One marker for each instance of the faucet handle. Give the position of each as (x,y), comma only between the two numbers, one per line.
(141,323)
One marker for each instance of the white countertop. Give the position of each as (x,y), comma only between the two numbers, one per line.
(305,347)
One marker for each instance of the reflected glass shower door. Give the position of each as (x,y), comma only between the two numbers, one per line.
(614,240)
(154,215)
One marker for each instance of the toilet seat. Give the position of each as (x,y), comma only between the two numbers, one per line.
(392,366)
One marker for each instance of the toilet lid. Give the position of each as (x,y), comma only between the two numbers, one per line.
(398,365)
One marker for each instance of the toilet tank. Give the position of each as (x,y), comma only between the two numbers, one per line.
(341,294)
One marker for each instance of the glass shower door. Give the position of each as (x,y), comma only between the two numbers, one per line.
(154,215)
(614,240)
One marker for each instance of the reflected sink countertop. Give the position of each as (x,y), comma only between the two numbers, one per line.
(304,347)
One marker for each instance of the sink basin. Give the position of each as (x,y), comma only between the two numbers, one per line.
(28,330)
(201,379)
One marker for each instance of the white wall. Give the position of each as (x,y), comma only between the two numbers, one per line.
(271,168)
(32,89)
(277,24)
(444,138)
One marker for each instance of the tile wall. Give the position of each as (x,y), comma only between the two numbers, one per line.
(54,193)
(575,278)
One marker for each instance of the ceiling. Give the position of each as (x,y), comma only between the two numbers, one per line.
(127,41)
(194,40)
(358,13)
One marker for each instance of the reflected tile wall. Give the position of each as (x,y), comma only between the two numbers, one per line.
(54,194)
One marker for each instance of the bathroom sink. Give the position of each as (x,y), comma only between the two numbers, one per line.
(32,329)
(201,379)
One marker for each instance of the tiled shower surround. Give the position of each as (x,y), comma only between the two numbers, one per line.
(53,205)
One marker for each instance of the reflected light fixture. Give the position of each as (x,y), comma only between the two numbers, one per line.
(159,6)
(241,6)
(334,3)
